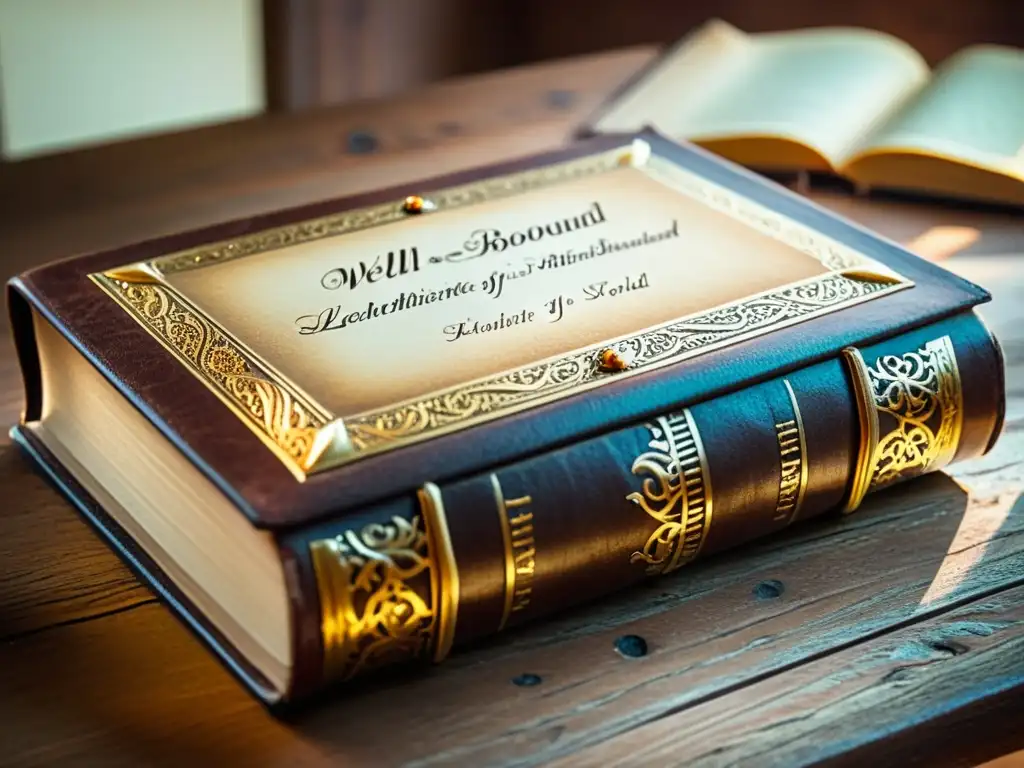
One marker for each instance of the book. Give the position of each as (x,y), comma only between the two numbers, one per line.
(373,430)
(847,101)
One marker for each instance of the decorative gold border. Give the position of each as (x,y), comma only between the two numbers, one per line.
(308,438)
(921,395)
(389,591)
(676,493)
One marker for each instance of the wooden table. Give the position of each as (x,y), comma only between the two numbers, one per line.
(895,634)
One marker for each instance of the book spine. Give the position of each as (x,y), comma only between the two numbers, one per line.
(414,578)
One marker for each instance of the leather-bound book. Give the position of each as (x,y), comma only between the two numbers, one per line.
(374,430)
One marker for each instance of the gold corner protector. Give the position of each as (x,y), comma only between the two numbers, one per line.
(444,576)
(295,428)
(331,447)
(876,273)
(370,586)
(636,154)
(140,273)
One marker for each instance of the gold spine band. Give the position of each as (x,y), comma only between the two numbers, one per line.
(793,462)
(676,493)
(444,577)
(389,591)
(910,410)
(867,418)
(519,550)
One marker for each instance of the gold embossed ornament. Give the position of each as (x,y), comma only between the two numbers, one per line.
(612,360)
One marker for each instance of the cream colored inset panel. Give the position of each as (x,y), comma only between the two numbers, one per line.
(381,315)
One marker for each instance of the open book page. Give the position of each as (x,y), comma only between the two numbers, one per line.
(823,88)
(971,113)
(690,74)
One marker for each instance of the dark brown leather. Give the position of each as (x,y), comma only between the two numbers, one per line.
(226,451)
(584,528)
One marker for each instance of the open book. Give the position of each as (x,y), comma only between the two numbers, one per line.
(854,102)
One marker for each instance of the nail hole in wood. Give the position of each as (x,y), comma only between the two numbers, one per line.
(947,646)
(361,143)
(631,646)
(527,680)
(560,99)
(769,590)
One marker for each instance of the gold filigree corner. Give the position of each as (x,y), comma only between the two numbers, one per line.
(373,608)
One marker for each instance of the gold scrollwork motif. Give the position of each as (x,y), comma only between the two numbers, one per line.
(287,422)
(580,370)
(676,493)
(388,592)
(370,613)
(911,414)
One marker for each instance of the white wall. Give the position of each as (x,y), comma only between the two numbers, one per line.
(77,72)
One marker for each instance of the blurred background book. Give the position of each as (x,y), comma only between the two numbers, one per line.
(847,101)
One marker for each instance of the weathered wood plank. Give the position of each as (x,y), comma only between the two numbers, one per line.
(53,569)
(913,683)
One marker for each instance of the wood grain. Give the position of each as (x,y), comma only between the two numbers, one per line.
(845,701)
(92,671)
(54,570)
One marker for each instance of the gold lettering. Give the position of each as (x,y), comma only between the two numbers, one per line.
(521,599)
(524,562)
